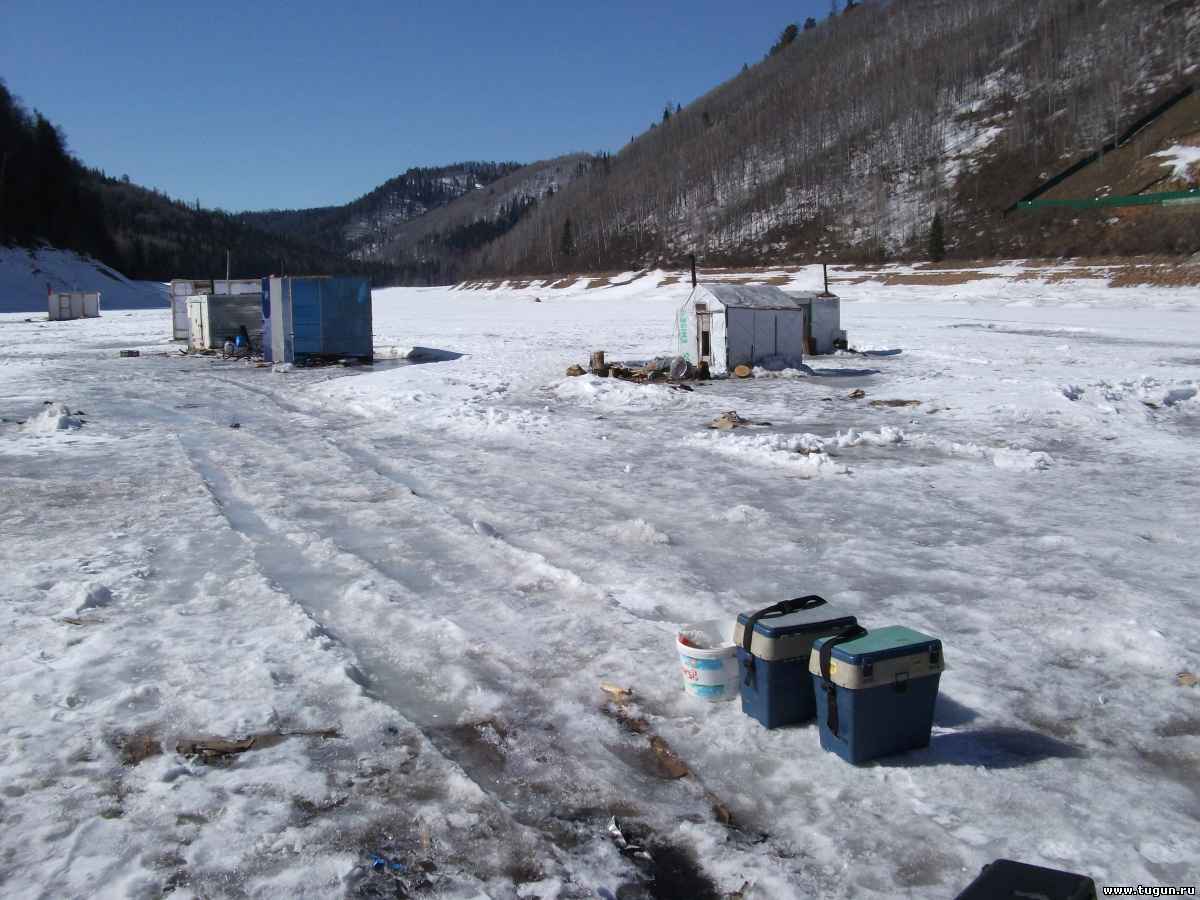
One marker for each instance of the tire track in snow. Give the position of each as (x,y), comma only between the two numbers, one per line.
(286,567)
(548,554)
(591,772)
(538,746)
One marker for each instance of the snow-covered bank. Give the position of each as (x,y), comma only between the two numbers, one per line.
(26,274)
(443,560)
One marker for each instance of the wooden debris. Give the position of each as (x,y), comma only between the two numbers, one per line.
(137,747)
(730,419)
(1187,679)
(857,394)
(212,749)
(618,693)
(72,620)
(669,762)
(129,353)
(576,370)
(742,371)
(666,763)
(895,403)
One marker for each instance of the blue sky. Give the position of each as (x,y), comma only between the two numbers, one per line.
(253,105)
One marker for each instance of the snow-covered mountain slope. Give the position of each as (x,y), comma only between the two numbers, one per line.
(26,276)
(444,561)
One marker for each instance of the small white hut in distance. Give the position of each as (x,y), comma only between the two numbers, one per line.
(73,305)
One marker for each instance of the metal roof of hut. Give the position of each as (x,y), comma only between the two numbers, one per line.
(755,296)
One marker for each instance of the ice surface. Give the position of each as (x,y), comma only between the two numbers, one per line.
(443,561)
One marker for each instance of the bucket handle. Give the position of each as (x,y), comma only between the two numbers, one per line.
(831,711)
(782,608)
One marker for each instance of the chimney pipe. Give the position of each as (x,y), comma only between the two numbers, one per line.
(825,273)
(692,258)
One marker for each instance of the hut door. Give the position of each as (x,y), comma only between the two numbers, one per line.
(765,335)
(64,306)
(790,339)
(704,333)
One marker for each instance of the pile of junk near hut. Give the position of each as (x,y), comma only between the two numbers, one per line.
(306,320)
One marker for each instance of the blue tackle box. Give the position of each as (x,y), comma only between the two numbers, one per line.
(1005,879)
(875,690)
(773,649)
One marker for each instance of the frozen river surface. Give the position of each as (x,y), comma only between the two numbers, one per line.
(444,561)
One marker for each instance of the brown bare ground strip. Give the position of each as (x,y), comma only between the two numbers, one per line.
(934,279)
(1055,276)
(1157,276)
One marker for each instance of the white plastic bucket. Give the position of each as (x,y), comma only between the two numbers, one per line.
(710,672)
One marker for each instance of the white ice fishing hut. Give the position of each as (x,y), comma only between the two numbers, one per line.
(73,305)
(180,289)
(728,325)
(215,318)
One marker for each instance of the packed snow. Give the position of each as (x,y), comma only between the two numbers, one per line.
(445,555)
(27,275)
(1182,158)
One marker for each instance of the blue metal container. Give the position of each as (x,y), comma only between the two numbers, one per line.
(315,318)
(774,645)
(875,691)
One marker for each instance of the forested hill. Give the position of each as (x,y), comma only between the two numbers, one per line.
(424,224)
(362,227)
(852,133)
(48,197)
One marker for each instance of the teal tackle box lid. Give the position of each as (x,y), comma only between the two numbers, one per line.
(791,634)
(882,656)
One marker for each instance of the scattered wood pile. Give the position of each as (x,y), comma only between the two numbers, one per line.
(665,370)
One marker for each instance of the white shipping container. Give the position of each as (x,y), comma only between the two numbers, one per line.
(73,305)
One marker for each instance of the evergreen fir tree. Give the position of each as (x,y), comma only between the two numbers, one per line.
(937,239)
(567,244)
(786,38)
